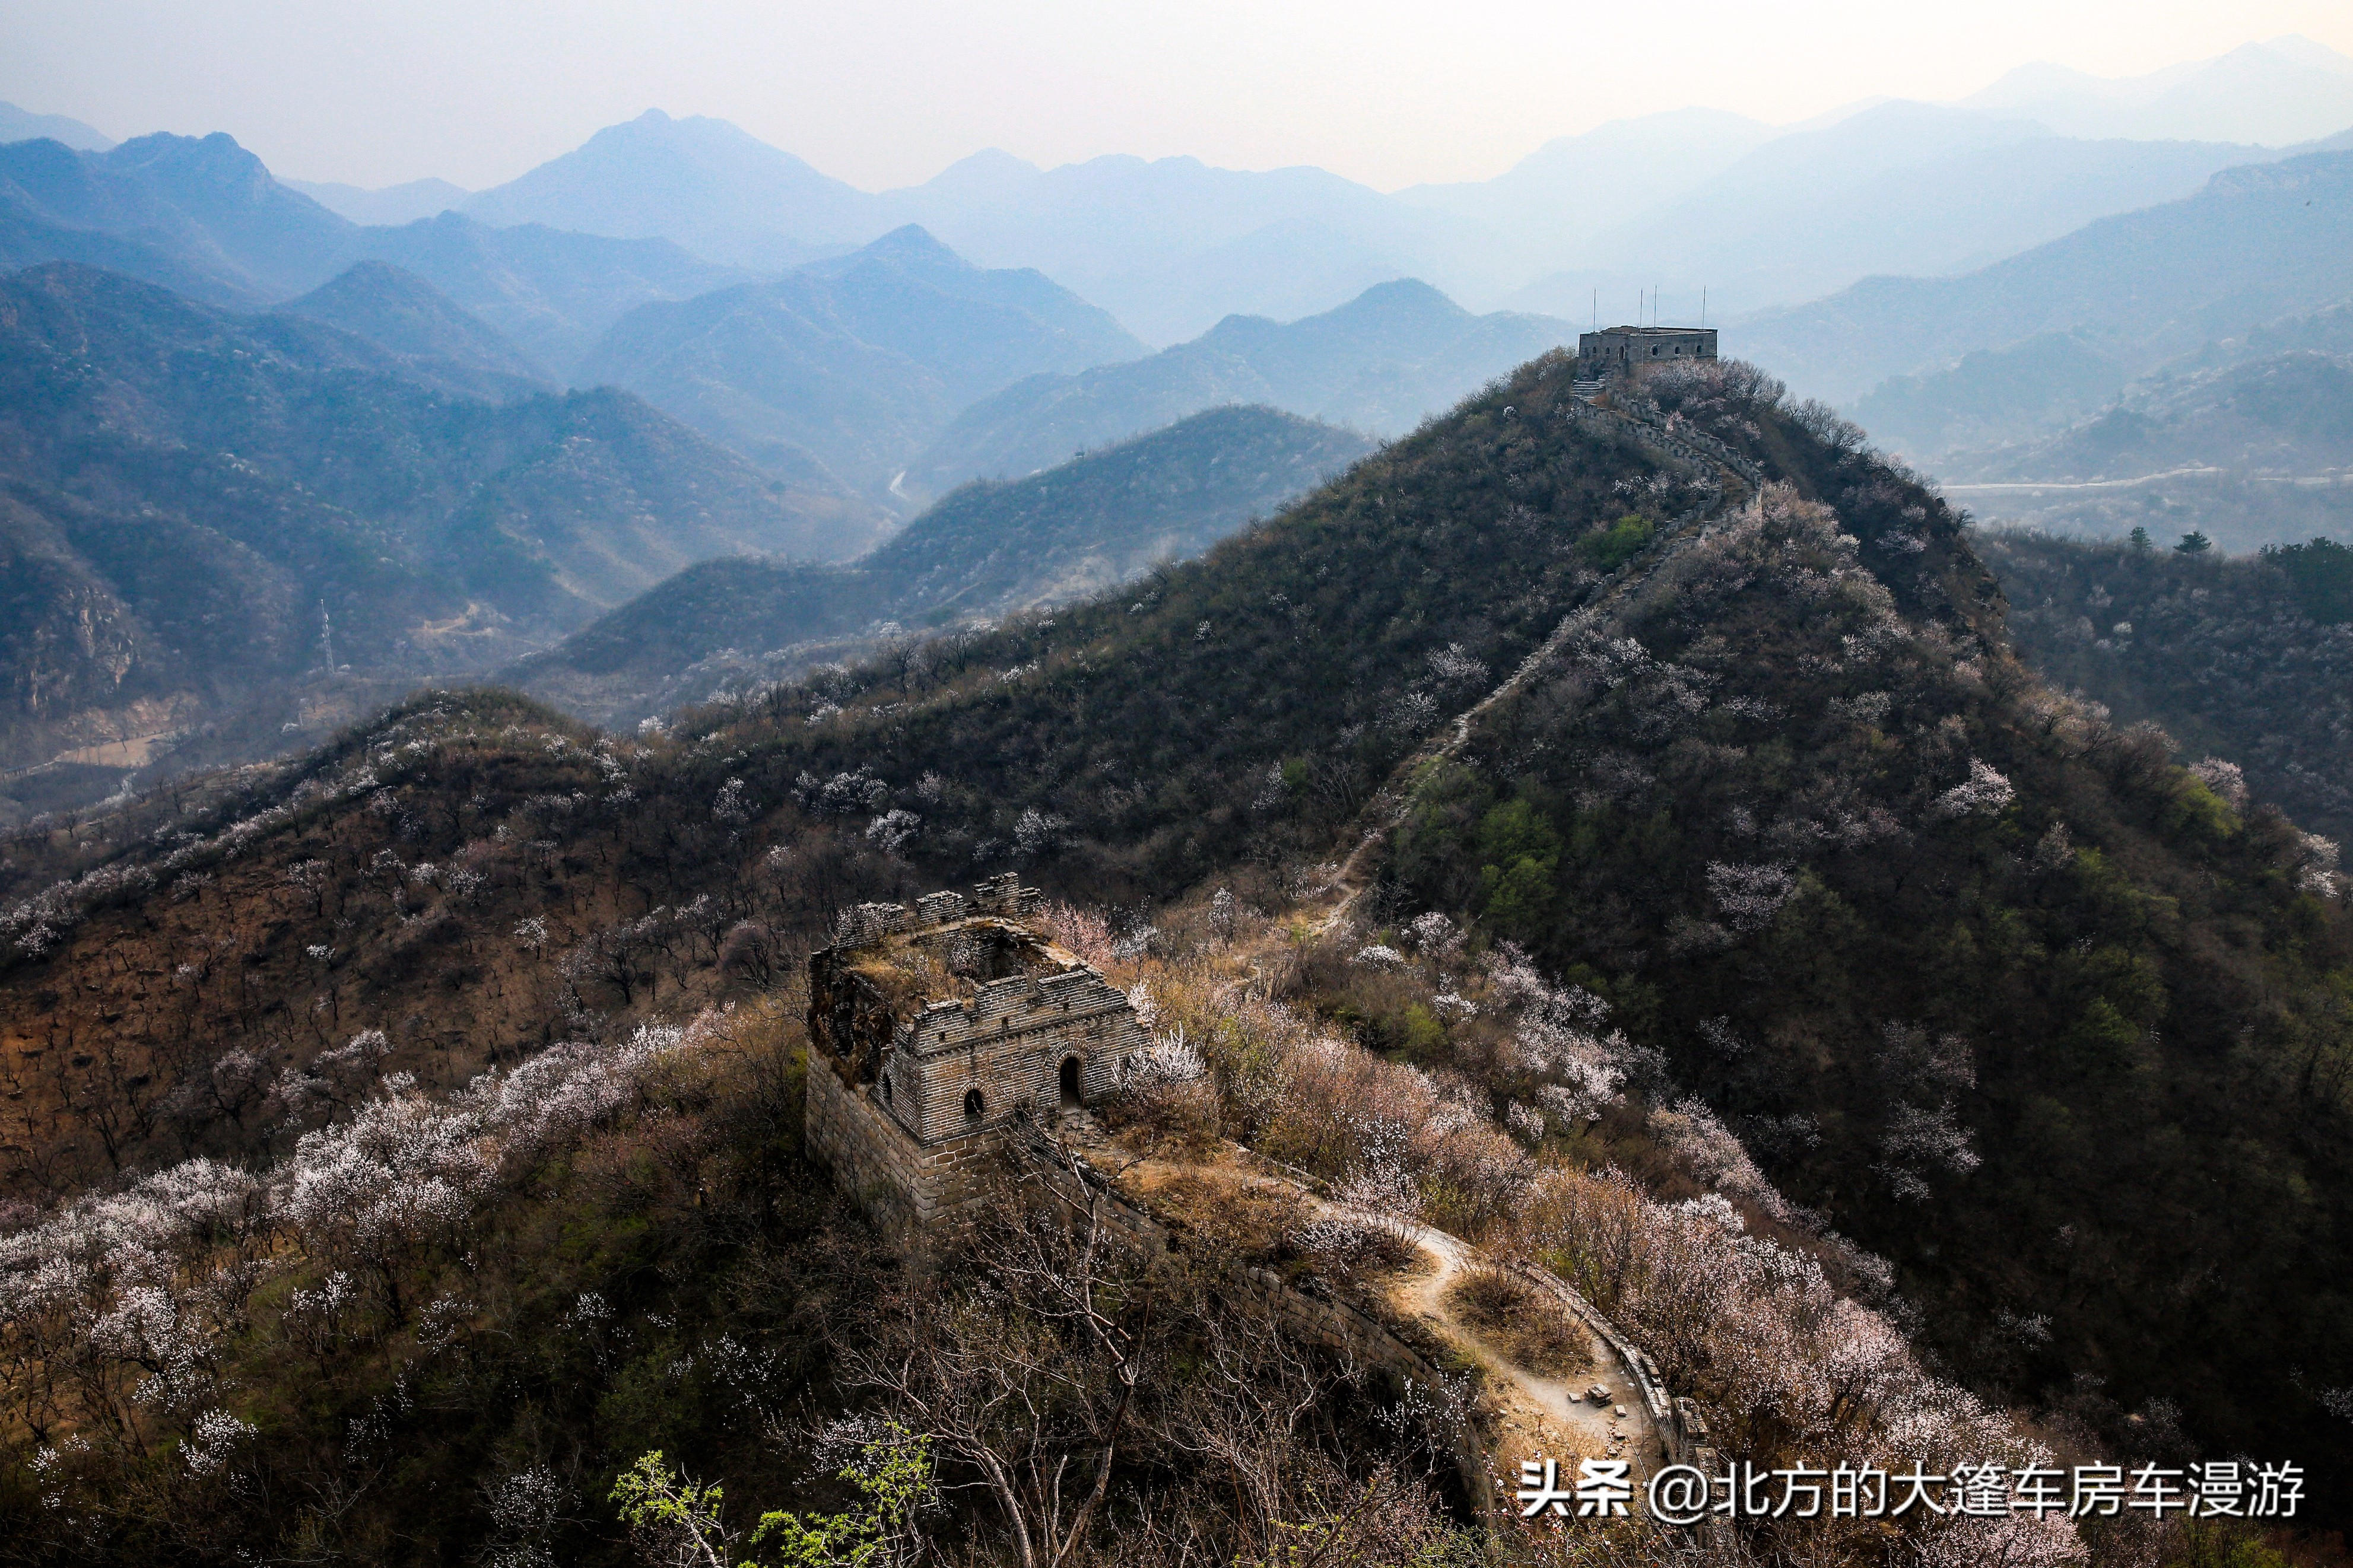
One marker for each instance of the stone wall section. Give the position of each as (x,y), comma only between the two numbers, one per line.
(1327,1322)
(1008,1045)
(1667,1413)
(1686,446)
(902,1186)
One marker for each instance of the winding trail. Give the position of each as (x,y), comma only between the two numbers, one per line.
(1531,1415)
(1535,1416)
(1601,1412)
(1391,803)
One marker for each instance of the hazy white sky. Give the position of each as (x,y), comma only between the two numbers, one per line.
(884,92)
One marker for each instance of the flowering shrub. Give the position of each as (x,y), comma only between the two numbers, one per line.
(1749,896)
(125,1296)
(1985,793)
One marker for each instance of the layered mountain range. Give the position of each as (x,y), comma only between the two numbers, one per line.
(1760,217)
(715,278)
(858,363)
(1384,362)
(205,509)
(2255,243)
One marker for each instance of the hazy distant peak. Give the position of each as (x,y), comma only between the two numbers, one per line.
(704,183)
(1934,123)
(369,277)
(2284,91)
(396,310)
(914,243)
(1838,116)
(2304,51)
(687,127)
(1391,313)
(389,206)
(988,164)
(991,175)
(1692,124)
(1400,300)
(217,156)
(23,125)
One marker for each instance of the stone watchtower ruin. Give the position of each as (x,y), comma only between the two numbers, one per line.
(1624,351)
(934,1029)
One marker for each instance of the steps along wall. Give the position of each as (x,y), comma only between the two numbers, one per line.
(1694,446)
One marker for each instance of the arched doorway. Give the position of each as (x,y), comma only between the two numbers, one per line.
(1073,1083)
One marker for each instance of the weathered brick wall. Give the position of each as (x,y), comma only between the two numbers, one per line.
(900,1183)
(847,1020)
(1010,1043)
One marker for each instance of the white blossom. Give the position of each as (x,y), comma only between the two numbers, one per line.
(1037,831)
(1985,793)
(893,830)
(1433,935)
(1452,665)
(730,805)
(2226,779)
(214,1442)
(2316,865)
(1750,895)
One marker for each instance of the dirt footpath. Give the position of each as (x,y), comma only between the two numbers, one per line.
(1536,1416)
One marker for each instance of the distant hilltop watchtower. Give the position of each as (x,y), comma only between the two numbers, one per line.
(933,1028)
(1623,351)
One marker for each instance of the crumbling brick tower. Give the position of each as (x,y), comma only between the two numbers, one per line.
(933,1028)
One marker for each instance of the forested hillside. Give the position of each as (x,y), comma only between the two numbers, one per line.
(2247,660)
(1988,984)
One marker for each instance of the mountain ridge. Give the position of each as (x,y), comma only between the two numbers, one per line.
(2255,243)
(1397,352)
(856,363)
(399,312)
(981,552)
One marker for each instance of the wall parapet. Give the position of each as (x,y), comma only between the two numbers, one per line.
(1665,1411)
